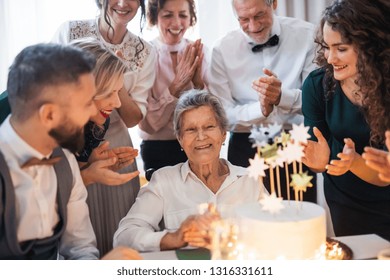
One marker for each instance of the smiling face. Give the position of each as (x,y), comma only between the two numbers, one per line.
(343,57)
(107,101)
(121,12)
(255,18)
(79,107)
(173,21)
(201,136)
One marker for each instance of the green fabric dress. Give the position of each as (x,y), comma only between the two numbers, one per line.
(5,108)
(356,206)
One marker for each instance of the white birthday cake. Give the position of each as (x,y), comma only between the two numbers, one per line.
(273,228)
(298,231)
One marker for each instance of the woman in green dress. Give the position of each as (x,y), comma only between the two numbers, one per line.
(346,103)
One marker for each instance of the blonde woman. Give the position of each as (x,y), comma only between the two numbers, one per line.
(98,163)
(110,28)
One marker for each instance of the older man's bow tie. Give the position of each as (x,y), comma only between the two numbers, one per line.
(273,41)
(36,161)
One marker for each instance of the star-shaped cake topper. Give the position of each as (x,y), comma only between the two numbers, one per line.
(293,152)
(258,137)
(271,203)
(257,167)
(277,149)
(273,130)
(269,151)
(299,133)
(301,181)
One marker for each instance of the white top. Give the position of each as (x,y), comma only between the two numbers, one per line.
(158,123)
(234,67)
(173,194)
(36,203)
(140,77)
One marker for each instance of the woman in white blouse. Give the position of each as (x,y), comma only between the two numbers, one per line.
(107,205)
(181,65)
(175,192)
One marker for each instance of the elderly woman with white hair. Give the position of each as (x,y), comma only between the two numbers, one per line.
(175,192)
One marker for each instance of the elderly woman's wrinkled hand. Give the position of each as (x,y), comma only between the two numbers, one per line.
(122,253)
(175,240)
(199,233)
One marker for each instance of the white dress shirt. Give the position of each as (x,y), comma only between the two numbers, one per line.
(234,67)
(174,193)
(141,72)
(36,198)
(158,122)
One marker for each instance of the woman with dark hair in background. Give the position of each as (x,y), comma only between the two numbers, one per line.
(181,65)
(347,105)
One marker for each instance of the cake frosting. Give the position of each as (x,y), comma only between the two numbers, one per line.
(298,231)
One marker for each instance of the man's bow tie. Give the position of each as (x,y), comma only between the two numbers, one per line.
(273,41)
(36,161)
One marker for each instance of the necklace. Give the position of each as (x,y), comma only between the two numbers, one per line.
(353,93)
(357,94)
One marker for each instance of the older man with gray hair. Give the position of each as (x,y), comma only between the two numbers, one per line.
(257,72)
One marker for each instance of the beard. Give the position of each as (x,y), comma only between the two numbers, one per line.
(71,138)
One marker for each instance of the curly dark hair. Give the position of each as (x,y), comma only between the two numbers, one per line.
(365,24)
(154,6)
(103,6)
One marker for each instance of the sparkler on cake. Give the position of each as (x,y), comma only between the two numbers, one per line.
(275,149)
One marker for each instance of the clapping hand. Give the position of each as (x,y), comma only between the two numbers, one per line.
(187,64)
(269,88)
(197,79)
(104,162)
(124,155)
(379,160)
(346,159)
(316,154)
